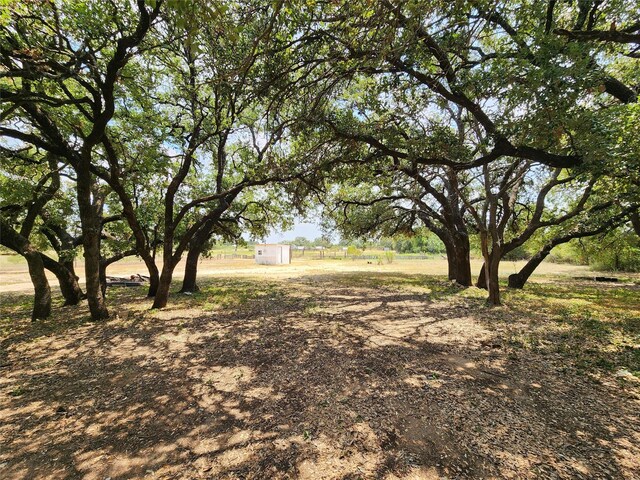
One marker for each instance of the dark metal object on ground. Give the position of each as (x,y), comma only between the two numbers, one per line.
(599,279)
(132,281)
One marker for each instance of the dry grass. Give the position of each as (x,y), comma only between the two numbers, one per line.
(14,277)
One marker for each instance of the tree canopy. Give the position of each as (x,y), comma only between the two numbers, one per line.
(148,128)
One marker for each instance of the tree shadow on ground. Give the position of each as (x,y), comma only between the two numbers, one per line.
(319,377)
(593,328)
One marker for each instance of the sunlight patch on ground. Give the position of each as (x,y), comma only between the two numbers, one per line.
(361,374)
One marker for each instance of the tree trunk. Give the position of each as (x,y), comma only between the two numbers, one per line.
(142,247)
(458,258)
(489,271)
(452,264)
(162,295)
(191,271)
(635,222)
(68,264)
(42,298)
(19,244)
(616,88)
(492,278)
(482,278)
(463,261)
(91,227)
(67,280)
(196,246)
(103,278)
(95,297)
(518,280)
(154,276)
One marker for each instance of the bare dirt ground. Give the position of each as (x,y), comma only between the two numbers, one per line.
(363,373)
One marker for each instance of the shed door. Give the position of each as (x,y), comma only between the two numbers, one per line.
(279,255)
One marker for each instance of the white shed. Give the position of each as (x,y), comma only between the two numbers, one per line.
(273,254)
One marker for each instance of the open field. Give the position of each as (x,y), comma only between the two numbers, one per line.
(14,276)
(326,370)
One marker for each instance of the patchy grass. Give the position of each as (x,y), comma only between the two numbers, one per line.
(596,327)
(361,374)
(231,294)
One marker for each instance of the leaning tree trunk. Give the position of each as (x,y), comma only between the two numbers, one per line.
(91,228)
(191,271)
(195,250)
(162,295)
(42,298)
(154,275)
(168,266)
(105,262)
(141,243)
(482,278)
(42,291)
(67,280)
(518,280)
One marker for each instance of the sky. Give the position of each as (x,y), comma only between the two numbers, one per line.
(301,228)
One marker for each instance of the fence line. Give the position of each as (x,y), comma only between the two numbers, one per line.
(315,255)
